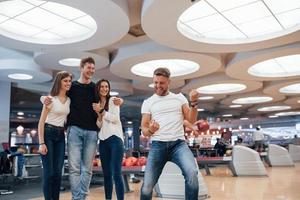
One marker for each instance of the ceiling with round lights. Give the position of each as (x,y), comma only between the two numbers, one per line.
(221,26)
(240,55)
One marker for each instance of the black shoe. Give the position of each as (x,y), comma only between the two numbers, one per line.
(135,180)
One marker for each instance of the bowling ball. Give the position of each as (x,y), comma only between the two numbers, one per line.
(202,125)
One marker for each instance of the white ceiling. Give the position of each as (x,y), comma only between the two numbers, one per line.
(116,51)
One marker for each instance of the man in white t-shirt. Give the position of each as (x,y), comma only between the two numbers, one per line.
(162,120)
(258,138)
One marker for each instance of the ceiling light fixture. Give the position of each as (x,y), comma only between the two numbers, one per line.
(288,113)
(221,88)
(227,115)
(25,21)
(206,98)
(291,89)
(20,113)
(231,22)
(273,108)
(235,106)
(244,118)
(20,76)
(113,93)
(284,66)
(72,62)
(177,67)
(252,100)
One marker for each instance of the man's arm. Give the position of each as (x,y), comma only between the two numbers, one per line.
(149,127)
(191,113)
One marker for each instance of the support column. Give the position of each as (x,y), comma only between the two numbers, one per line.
(5,90)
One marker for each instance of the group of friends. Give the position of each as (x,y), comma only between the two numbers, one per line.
(90,113)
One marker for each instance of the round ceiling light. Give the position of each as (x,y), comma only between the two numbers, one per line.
(206,98)
(284,66)
(291,89)
(44,22)
(252,100)
(288,113)
(72,62)
(221,88)
(177,67)
(235,106)
(232,22)
(18,76)
(273,108)
(113,93)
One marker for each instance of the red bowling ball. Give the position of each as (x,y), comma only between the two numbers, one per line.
(202,125)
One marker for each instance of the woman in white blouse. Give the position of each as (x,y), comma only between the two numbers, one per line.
(111,145)
(52,136)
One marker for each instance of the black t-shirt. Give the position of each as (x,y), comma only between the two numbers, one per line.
(81,110)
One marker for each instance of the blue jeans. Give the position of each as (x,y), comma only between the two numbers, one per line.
(82,146)
(111,155)
(53,161)
(177,152)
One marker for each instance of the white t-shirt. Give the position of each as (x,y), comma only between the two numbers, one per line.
(167,112)
(258,136)
(58,112)
(111,123)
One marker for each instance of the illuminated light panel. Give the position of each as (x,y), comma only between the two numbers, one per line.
(232,21)
(235,106)
(273,108)
(72,62)
(244,118)
(251,100)
(19,76)
(273,116)
(177,67)
(227,115)
(221,88)
(113,93)
(200,109)
(284,66)
(206,98)
(291,89)
(44,22)
(288,113)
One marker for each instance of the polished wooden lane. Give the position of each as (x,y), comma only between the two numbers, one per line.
(282,183)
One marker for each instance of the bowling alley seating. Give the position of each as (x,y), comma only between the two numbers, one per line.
(171,183)
(279,156)
(247,162)
(294,151)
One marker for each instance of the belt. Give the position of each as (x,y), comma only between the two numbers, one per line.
(55,127)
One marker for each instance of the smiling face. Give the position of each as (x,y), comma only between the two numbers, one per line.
(161,85)
(87,71)
(104,88)
(65,83)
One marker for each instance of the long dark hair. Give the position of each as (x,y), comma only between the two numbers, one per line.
(57,82)
(98,85)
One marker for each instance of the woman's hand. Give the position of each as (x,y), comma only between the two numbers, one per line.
(43,149)
(118,101)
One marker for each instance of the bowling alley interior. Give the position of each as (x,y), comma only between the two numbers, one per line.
(221,77)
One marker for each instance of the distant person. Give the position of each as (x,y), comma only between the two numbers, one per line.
(258,138)
(220,147)
(52,135)
(296,140)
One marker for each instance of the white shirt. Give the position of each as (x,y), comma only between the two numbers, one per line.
(58,112)
(258,136)
(167,112)
(111,123)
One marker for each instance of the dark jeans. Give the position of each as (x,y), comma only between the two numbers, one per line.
(111,155)
(53,161)
(177,152)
